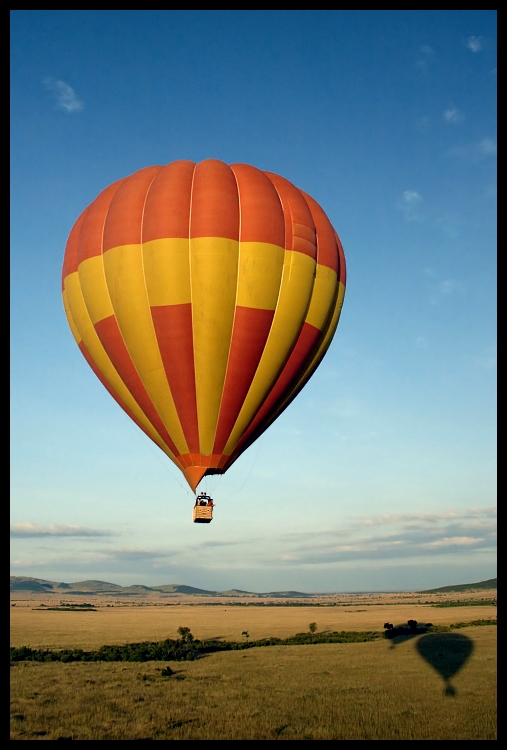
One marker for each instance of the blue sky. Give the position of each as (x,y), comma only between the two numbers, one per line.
(382,473)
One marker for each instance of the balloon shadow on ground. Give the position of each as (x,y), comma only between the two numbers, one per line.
(401,633)
(446,653)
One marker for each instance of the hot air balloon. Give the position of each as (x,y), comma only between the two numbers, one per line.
(203,296)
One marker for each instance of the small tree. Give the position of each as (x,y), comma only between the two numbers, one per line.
(185,635)
(312,627)
(246,634)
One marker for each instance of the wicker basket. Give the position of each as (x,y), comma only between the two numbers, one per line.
(202,514)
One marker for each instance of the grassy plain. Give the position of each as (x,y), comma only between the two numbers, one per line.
(154,619)
(378,690)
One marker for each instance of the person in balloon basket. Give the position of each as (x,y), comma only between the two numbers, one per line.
(204,500)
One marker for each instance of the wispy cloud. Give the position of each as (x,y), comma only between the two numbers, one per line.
(426,53)
(488,146)
(397,536)
(475,43)
(475,153)
(135,554)
(380,540)
(487,359)
(441,288)
(448,286)
(409,204)
(65,95)
(115,557)
(453,114)
(25,530)
(211,544)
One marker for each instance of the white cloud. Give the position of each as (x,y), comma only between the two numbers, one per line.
(426,53)
(475,153)
(475,43)
(444,515)
(453,114)
(134,554)
(488,146)
(448,286)
(409,203)
(25,530)
(397,539)
(65,95)
(442,288)
(457,541)
(404,536)
(410,197)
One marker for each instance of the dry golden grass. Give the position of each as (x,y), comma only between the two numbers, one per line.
(373,690)
(130,624)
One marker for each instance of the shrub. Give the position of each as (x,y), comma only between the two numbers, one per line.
(185,635)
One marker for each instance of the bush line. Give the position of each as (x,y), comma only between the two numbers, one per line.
(187,648)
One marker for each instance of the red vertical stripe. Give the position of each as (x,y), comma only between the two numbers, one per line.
(167,209)
(291,372)
(327,251)
(90,239)
(125,216)
(215,206)
(251,329)
(299,224)
(112,341)
(262,217)
(70,262)
(173,329)
(342,273)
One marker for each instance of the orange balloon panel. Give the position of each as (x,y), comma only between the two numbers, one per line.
(203,296)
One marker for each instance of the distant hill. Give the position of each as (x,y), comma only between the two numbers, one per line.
(489,584)
(176,588)
(31,585)
(40,586)
(34,585)
(288,594)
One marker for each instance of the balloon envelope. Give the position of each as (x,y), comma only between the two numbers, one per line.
(203,296)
